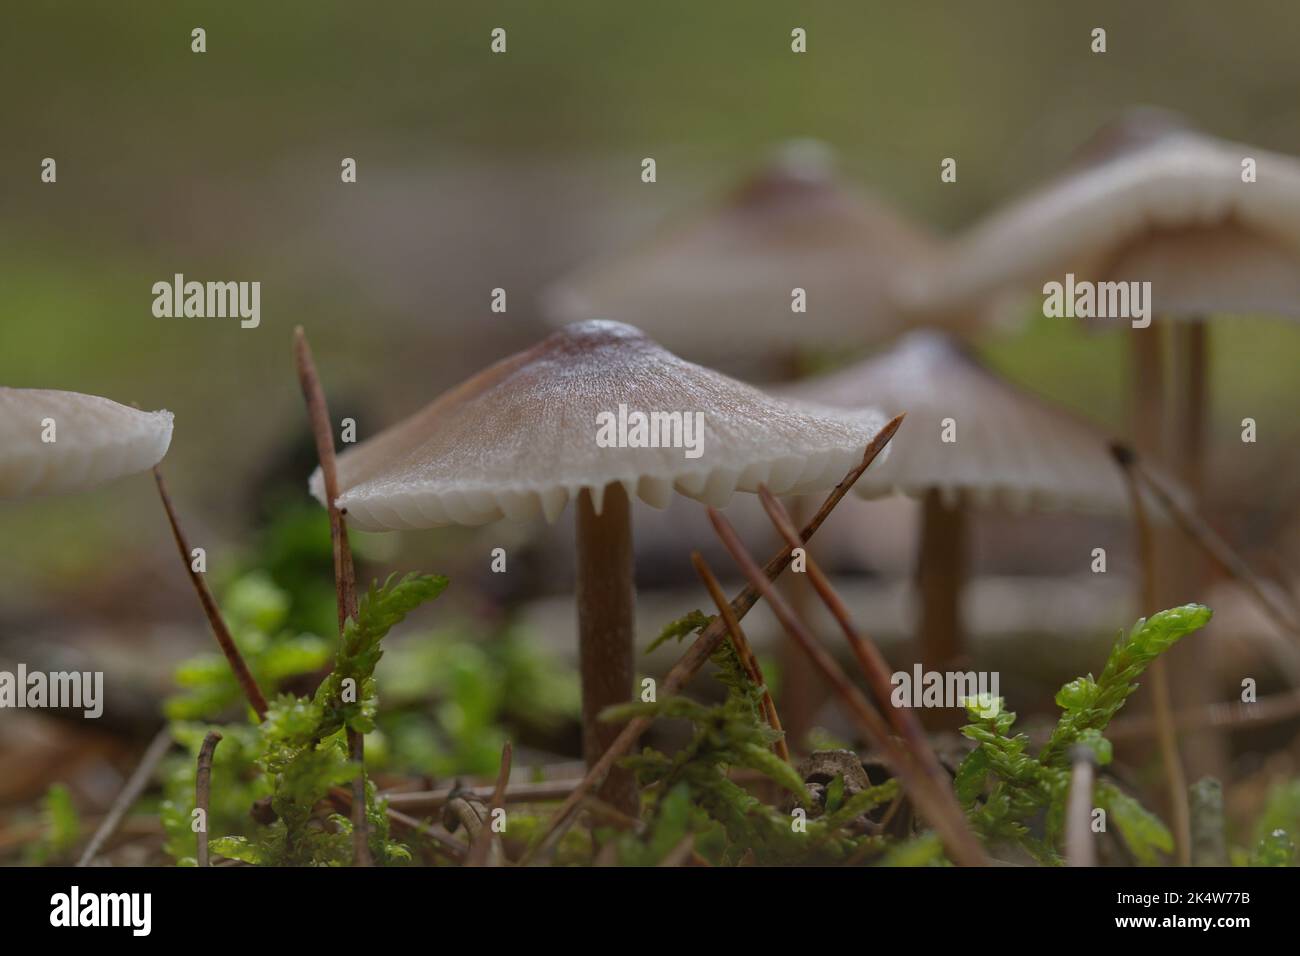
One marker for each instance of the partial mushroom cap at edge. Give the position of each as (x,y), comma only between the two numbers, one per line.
(94,441)
(519,439)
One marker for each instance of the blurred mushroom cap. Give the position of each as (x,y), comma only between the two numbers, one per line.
(722,282)
(1145,200)
(94,441)
(519,439)
(1012,448)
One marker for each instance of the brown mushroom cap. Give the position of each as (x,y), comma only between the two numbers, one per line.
(1152,202)
(519,438)
(1013,449)
(95,440)
(722,281)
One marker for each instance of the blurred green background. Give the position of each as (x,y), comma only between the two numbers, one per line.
(477,171)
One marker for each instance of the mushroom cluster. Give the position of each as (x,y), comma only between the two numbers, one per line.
(1211,226)
(794,264)
(1207,226)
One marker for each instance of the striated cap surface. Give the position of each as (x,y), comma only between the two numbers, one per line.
(1012,448)
(1147,201)
(525,435)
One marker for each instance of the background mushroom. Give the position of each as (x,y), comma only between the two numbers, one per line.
(1008,448)
(720,286)
(721,283)
(1149,199)
(519,440)
(54,442)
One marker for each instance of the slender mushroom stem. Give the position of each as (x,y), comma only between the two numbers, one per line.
(1205,751)
(941,577)
(1192,341)
(203,790)
(219,630)
(1147,410)
(1169,408)
(705,644)
(344,573)
(606,594)
(1080,848)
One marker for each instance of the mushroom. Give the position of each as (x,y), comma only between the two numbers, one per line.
(54,442)
(1147,200)
(971,439)
(722,282)
(530,433)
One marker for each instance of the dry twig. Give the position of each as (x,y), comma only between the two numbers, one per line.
(202,791)
(872,663)
(219,630)
(428,800)
(743,650)
(480,849)
(129,794)
(1285,618)
(344,573)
